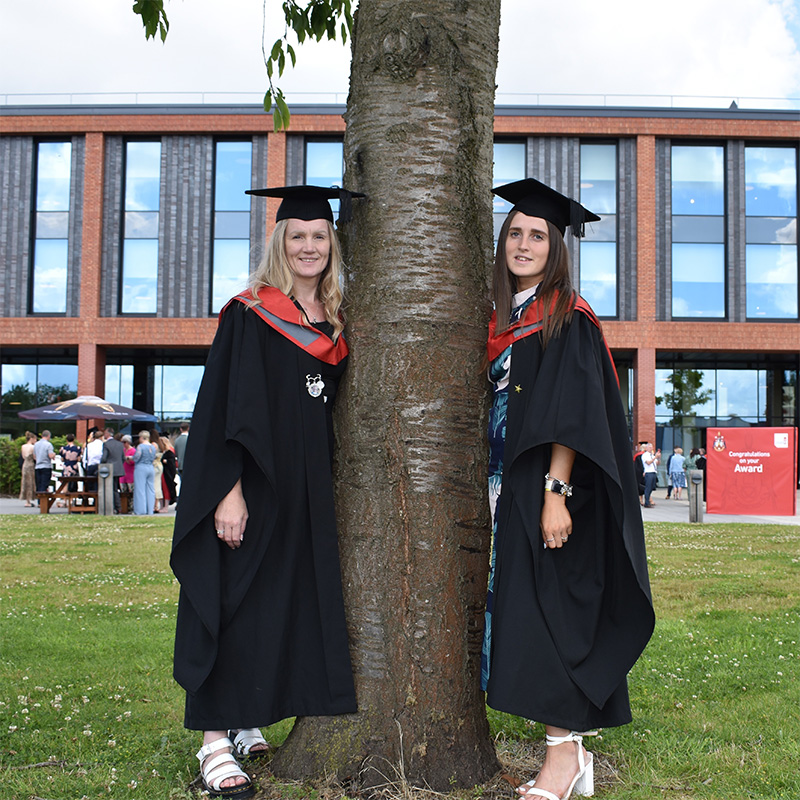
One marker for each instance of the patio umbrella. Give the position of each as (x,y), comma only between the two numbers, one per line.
(86,407)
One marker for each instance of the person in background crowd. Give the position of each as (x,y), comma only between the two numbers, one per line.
(675,467)
(93,452)
(168,462)
(180,446)
(638,469)
(158,472)
(650,462)
(144,495)
(114,454)
(700,464)
(71,457)
(27,486)
(44,455)
(126,484)
(669,477)
(563,625)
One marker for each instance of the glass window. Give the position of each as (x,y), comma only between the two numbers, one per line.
(176,388)
(698,232)
(325,165)
(599,178)
(119,384)
(139,285)
(140,276)
(32,384)
(51,229)
(509,166)
(142,176)
(698,280)
(698,180)
(599,277)
(771,232)
(598,256)
(771,175)
(231,250)
(771,272)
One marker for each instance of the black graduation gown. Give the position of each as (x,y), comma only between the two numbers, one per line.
(261,631)
(568,623)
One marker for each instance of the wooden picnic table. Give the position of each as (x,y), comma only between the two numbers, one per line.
(83,501)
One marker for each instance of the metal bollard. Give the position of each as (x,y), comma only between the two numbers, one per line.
(105,490)
(696,495)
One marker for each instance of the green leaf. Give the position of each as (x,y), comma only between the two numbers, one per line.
(269,69)
(284,110)
(290,50)
(281,63)
(277,49)
(268,101)
(277,120)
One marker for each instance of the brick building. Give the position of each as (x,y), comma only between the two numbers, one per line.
(123,229)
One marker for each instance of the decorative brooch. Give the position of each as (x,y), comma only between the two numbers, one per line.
(315,385)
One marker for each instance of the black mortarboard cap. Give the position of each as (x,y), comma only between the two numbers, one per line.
(309,202)
(535,199)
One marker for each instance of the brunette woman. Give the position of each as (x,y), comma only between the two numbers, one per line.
(569,609)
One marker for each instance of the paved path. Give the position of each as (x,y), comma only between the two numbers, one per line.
(678,511)
(665,511)
(10,505)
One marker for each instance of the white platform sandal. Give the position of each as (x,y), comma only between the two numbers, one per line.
(582,784)
(221,767)
(245,740)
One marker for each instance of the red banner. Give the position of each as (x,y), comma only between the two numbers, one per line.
(752,471)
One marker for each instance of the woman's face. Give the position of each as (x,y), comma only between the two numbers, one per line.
(308,247)
(527,248)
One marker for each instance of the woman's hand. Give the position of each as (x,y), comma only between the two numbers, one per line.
(230,518)
(556,522)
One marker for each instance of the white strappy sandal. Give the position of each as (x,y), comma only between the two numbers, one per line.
(582,784)
(219,768)
(245,740)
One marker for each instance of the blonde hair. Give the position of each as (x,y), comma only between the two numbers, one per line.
(144,435)
(274,270)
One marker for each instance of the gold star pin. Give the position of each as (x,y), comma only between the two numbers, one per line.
(517,388)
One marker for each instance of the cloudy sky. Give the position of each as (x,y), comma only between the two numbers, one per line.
(699,52)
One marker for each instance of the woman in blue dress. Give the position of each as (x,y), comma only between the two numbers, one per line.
(569,609)
(144,493)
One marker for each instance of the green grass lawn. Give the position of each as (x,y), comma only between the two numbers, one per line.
(88,708)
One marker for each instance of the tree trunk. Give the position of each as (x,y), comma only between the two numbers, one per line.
(411,477)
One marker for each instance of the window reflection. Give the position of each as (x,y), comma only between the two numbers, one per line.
(599,277)
(599,178)
(176,387)
(509,166)
(139,289)
(231,250)
(698,182)
(771,232)
(698,232)
(324,165)
(598,251)
(51,228)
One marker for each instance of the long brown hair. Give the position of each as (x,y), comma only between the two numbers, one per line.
(556,280)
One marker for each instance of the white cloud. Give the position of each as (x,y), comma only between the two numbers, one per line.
(727,48)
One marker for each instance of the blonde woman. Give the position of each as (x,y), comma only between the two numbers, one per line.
(261,629)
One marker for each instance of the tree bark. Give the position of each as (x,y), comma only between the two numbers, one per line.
(411,466)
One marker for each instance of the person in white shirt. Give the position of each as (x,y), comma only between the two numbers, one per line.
(650,461)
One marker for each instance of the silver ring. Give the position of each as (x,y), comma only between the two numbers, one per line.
(564,538)
(220,533)
(550,540)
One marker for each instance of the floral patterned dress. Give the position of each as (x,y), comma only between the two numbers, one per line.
(499,371)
